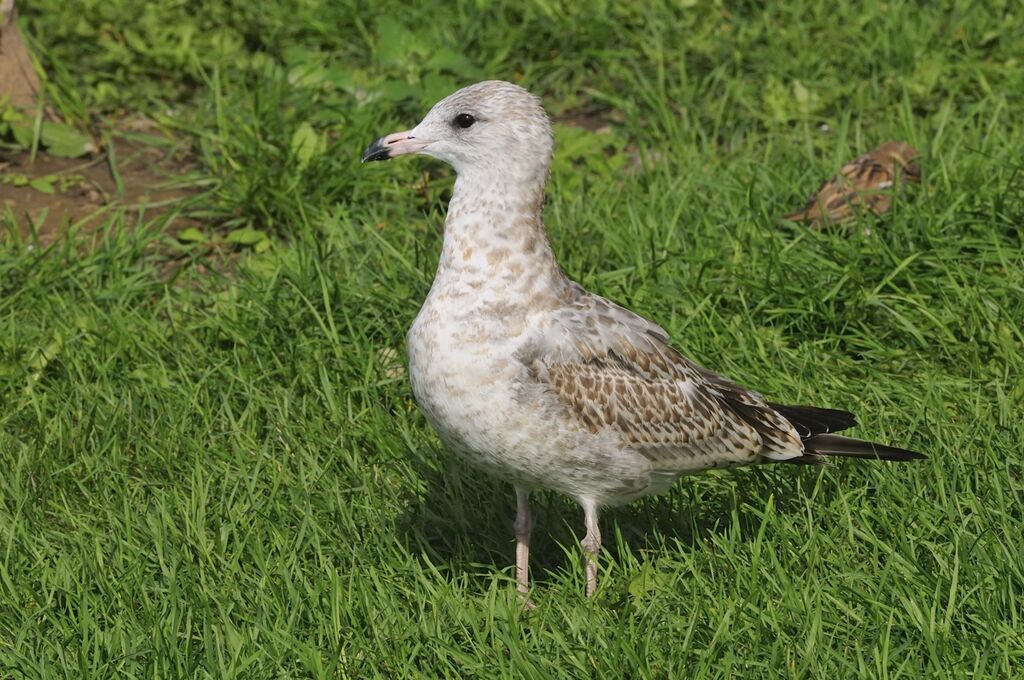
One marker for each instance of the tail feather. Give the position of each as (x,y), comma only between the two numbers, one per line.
(815,426)
(812,420)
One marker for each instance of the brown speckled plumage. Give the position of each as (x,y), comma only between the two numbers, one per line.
(867,183)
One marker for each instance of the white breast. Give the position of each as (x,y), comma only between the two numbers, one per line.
(464,377)
(487,407)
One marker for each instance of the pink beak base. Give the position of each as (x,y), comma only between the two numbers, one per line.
(395,144)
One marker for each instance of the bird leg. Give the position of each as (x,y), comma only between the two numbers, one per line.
(591,544)
(523,526)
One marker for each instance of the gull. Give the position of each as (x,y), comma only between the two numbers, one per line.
(535,380)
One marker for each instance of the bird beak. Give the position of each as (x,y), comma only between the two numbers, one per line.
(396,144)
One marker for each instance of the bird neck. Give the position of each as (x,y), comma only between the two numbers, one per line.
(495,237)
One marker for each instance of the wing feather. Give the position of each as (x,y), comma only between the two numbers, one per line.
(614,370)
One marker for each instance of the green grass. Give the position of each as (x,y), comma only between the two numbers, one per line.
(225,475)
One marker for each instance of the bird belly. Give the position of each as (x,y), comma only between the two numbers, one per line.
(487,408)
(459,382)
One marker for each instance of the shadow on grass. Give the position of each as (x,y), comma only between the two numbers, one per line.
(462,520)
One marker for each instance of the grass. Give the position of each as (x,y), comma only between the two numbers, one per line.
(225,475)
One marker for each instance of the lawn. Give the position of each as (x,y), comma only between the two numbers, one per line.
(213,464)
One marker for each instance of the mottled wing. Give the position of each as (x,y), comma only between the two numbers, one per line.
(613,370)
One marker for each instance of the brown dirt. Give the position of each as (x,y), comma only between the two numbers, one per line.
(85,190)
(19,83)
(131,174)
(597,120)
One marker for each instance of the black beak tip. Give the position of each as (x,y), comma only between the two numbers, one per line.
(376,151)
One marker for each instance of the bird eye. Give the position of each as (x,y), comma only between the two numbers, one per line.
(464,120)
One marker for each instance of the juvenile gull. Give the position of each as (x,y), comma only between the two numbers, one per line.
(541,383)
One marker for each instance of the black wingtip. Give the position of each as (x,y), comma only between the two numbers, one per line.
(838,445)
(377,151)
(816,426)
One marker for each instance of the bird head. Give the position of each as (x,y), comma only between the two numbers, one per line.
(490,127)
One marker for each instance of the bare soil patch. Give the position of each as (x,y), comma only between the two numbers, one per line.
(139,171)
